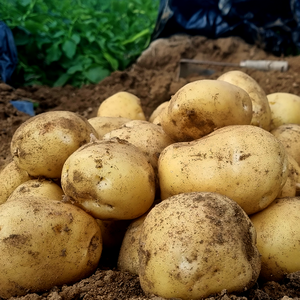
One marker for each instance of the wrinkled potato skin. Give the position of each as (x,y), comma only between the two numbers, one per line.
(261,116)
(202,106)
(149,138)
(128,259)
(104,125)
(245,163)
(37,188)
(111,180)
(285,108)
(278,235)
(123,105)
(289,136)
(11,176)
(45,243)
(195,244)
(41,145)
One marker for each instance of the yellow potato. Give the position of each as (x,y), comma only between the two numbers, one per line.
(285,109)
(123,105)
(45,243)
(244,162)
(261,110)
(37,188)
(128,259)
(149,138)
(202,106)
(278,235)
(11,176)
(158,111)
(41,145)
(104,125)
(289,136)
(292,184)
(193,245)
(111,180)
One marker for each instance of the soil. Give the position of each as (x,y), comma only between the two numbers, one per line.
(154,78)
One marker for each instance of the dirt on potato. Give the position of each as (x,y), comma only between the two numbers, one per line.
(154,78)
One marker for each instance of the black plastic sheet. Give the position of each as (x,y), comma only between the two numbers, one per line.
(8,53)
(273,25)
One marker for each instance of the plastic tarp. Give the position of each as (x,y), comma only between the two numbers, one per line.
(8,53)
(273,25)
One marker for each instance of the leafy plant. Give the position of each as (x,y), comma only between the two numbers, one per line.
(77,41)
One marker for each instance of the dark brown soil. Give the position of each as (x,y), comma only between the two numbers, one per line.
(154,79)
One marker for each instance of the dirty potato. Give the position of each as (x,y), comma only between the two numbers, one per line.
(103,125)
(289,136)
(11,176)
(202,106)
(285,109)
(278,235)
(41,145)
(45,243)
(110,180)
(149,138)
(158,111)
(193,245)
(244,162)
(261,116)
(37,188)
(123,105)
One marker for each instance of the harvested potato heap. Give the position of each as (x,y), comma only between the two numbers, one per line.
(206,155)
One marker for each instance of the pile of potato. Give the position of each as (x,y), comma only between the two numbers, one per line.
(199,198)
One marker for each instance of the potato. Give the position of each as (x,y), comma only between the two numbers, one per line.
(285,109)
(289,136)
(292,184)
(158,111)
(278,235)
(123,105)
(244,162)
(202,106)
(149,138)
(37,188)
(261,116)
(128,259)
(11,176)
(104,125)
(45,243)
(41,145)
(193,245)
(111,180)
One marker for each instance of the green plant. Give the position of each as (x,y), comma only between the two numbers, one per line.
(77,42)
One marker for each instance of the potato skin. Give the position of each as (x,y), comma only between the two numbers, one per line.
(278,235)
(244,162)
(11,176)
(289,136)
(285,109)
(195,244)
(41,145)
(202,106)
(37,188)
(122,104)
(261,116)
(44,243)
(111,180)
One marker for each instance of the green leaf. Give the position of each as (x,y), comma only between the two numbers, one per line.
(96,74)
(74,69)
(24,2)
(76,38)
(136,36)
(21,39)
(61,80)
(53,54)
(113,62)
(58,34)
(69,48)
